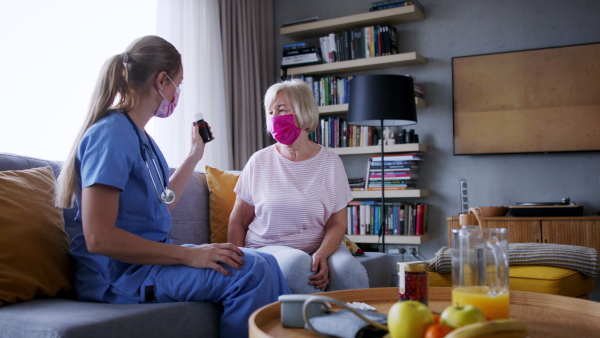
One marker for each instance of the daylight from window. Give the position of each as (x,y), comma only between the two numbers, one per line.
(52,52)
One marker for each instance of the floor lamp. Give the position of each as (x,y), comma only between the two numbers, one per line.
(382,101)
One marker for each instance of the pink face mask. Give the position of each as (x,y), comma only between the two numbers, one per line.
(283,128)
(166,108)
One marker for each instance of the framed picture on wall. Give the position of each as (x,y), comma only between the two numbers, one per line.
(530,101)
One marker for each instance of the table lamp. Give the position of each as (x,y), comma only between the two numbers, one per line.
(382,101)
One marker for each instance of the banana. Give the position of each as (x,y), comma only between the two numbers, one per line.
(505,328)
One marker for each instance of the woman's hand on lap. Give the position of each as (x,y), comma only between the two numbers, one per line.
(321,279)
(208,256)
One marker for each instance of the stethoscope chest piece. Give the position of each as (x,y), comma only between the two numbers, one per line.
(167,196)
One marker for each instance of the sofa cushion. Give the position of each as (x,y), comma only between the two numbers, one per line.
(222,199)
(542,279)
(34,246)
(67,318)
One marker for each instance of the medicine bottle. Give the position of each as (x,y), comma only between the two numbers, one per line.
(413,281)
(203,128)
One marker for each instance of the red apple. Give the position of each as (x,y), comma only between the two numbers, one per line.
(409,319)
(456,316)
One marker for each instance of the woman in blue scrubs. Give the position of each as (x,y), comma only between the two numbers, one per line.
(118,178)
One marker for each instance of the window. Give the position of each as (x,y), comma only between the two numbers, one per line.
(52,52)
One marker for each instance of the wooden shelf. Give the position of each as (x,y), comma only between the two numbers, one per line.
(360,65)
(343,108)
(408,193)
(389,239)
(392,16)
(394,148)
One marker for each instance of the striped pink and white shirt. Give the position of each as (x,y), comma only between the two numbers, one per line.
(292,199)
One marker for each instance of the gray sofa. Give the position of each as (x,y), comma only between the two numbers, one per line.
(58,317)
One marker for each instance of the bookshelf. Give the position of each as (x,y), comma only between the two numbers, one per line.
(393,16)
(361,65)
(393,148)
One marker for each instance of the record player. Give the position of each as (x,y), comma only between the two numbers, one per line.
(551,209)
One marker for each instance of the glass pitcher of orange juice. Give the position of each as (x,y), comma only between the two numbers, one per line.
(480,268)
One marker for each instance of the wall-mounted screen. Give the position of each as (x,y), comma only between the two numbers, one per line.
(530,101)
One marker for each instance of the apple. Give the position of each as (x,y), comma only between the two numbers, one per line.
(409,319)
(456,316)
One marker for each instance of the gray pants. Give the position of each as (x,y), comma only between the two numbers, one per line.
(345,271)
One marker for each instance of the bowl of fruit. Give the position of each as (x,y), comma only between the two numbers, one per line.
(413,319)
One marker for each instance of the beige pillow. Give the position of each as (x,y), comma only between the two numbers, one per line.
(222,199)
(34,260)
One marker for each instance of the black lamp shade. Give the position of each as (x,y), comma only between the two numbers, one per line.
(377,98)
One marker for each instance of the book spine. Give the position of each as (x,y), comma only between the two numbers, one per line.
(349,218)
(419,220)
(356,220)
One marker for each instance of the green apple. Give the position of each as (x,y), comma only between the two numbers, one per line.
(456,316)
(409,319)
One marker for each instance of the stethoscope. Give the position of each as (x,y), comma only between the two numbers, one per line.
(167,196)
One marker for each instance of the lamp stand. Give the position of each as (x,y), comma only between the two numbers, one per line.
(383,226)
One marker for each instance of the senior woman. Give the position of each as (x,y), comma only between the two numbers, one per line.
(292,196)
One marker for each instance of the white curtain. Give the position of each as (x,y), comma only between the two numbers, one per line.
(193,27)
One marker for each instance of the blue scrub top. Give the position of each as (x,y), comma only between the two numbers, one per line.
(109,153)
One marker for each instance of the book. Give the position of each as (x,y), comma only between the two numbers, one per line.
(395,165)
(296,45)
(301,60)
(377,177)
(300,51)
(395,170)
(392,183)
(397,157)
(419,227)
(379,5)
(389,188)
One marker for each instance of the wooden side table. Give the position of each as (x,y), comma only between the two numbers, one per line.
(545,315)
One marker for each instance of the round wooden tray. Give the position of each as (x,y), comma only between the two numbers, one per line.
(545,315)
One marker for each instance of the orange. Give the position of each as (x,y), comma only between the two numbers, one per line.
(437,331)
(436,318)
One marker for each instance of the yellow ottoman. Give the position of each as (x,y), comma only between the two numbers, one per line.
(535,278)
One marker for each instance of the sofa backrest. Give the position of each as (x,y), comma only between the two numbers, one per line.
(190,216)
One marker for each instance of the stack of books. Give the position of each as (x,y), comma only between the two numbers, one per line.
(300,54)
(400,171)
(403,218)
(357,184)
(385,4)
(418,89)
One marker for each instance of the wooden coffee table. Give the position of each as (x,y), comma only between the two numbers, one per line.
(545,315)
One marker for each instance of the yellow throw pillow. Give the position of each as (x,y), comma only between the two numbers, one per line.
(34,259)
(222,199)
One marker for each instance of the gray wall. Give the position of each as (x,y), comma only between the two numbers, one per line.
(468,27)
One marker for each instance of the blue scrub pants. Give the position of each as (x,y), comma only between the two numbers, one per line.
(260,282)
